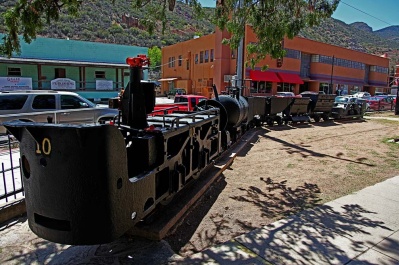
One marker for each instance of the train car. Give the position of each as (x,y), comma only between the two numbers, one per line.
(320,105)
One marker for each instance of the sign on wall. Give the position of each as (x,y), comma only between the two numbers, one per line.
(104,85)
(15,83)
(63,83)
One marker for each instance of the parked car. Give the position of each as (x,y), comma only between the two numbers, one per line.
(313,92)
(361,95)
(285,94)
(380,94)
(51,106)
(349,106)
(379,103)
(176,91)
(391,97)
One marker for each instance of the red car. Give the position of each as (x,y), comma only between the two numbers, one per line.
(379,103)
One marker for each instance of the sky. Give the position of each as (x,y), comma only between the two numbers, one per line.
(377,14)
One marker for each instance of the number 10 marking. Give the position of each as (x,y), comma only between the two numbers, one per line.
(45,147)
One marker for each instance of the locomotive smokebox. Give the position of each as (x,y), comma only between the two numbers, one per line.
(75,178)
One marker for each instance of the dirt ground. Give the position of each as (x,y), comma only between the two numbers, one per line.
(285,169)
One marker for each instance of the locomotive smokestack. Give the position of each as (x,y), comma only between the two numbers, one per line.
(215,92)
(137,117)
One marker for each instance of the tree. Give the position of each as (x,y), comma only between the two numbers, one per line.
(271,20)
(155,56)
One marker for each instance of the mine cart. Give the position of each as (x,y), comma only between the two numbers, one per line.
(348,107)
(320,105)
(269,109)
(297,111)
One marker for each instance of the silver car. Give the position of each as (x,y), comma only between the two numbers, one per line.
(51,106)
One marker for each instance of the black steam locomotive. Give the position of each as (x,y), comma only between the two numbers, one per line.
(89,184)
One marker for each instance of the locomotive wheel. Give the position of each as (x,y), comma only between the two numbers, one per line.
(270,122)
(279,120)
(325,117)
(316,118)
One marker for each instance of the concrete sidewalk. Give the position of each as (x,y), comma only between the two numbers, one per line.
(361,228)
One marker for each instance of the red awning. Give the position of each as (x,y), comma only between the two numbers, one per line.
(290,78)
(257,75)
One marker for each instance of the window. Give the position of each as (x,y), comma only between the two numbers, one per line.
(326,59)
(193,102)
(338,62)
(212,55)
(285,87)
(295,54)
(206,56)
(173,61)
(201,56)
(379,69)
(180,60)
(13,71)
(100,74)
(261,87)
(72,102)
(196,58)
(12,102)
(60,73)
(315,58)
(44,102)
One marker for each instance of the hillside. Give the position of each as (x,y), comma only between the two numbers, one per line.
(102,21)
(357,36)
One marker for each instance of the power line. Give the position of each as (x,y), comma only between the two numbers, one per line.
(366,13)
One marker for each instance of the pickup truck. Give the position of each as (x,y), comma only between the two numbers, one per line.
(181,103)
(50,107)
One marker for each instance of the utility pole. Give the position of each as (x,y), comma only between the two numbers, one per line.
(332,73)
(240,63)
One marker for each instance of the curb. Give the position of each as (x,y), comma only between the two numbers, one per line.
(12,210)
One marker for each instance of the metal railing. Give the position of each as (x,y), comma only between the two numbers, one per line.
(11,186)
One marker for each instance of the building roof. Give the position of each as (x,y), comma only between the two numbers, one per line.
(73,51)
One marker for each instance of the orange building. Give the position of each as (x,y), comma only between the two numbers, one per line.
(308,65)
